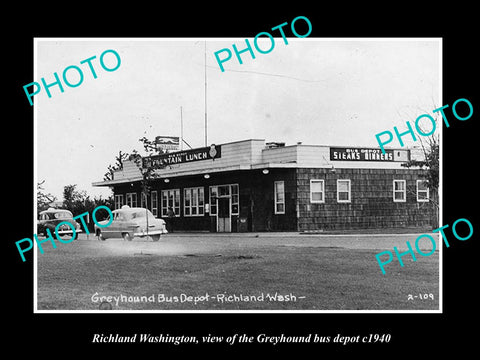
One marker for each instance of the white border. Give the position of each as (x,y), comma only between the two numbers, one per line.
(35,180)
(35,145)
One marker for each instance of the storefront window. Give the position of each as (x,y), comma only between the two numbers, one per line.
(399,191)
(343,191)
(224,191)
(131,199)
(144,200)
(193,201)
(422,191)
(118,201)
(317,191)
(213,200)
(154,203)
(171,198)
(279,196)
(235,199)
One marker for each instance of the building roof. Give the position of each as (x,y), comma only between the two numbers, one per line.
(256,154)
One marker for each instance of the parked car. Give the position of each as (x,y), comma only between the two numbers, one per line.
(50,218)
(129,222)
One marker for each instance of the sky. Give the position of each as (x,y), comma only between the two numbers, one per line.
(313,90)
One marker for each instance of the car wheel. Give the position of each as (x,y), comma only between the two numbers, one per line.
(155,237)
(100,236)
(126,236)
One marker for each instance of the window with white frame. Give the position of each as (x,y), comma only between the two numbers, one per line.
(118,201)
(423,194)
(230,190)
(171,198)
(193,201)
(154,203)
(343,191)
(143,200)
(399,191)
(235,199)
(317,191)
(279,197)
(131,199)
(213,200)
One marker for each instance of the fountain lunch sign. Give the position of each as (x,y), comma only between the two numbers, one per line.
(211,152)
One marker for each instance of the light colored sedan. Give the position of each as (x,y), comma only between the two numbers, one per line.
(132,222)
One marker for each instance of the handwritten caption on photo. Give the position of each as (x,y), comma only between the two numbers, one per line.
(195,299)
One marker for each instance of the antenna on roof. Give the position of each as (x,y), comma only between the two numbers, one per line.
(205,71)
(182,140)
(181,129)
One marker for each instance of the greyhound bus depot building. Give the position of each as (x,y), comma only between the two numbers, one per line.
(251,186)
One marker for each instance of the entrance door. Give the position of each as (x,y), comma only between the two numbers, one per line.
(223,217)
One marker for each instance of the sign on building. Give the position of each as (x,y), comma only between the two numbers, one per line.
(368,154)
(180,157)
(167,143)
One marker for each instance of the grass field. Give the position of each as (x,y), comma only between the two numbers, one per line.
(322,273)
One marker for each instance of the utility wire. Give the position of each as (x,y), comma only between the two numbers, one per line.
(269,74)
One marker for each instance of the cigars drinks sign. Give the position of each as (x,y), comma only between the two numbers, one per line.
(368,154)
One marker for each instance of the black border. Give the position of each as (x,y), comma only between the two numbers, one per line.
(412,334)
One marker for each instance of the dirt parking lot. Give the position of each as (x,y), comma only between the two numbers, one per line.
(190,243)
(266,271)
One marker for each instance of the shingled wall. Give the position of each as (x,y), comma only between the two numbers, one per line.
(371,205)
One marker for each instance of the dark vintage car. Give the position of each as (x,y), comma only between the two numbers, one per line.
(128,223)
(50,218)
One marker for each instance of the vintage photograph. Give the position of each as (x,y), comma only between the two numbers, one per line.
(237,175)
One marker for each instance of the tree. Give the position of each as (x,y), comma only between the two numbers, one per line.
(72,198)
(149,172)
(78,202)
(431,154)
(44,199)
(119,159)
(149,146)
